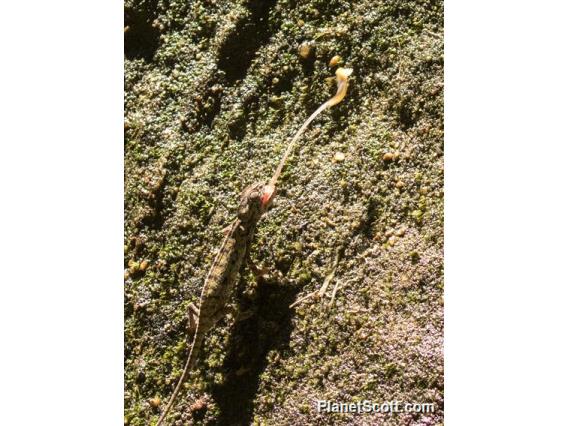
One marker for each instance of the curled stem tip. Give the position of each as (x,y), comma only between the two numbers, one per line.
(342,75)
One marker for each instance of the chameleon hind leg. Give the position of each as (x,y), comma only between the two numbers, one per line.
(215,316)
(193,316)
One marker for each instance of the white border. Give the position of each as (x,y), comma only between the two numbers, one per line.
(506,233)
(61,213)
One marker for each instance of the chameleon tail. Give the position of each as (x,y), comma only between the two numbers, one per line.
(197,342)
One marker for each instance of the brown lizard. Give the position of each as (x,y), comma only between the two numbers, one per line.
(223,274)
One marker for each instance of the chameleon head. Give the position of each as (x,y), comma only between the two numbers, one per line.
(254,201)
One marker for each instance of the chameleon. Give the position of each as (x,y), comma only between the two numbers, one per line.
(222,276)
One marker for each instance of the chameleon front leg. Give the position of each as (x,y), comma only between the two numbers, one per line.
(265,273)
(257,272)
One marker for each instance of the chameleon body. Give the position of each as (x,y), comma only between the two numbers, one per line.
(223,274)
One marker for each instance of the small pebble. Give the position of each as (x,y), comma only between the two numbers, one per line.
(329,222)
(335,61)
(198,405)
(217,88)
(389,156)
(306,50)
(339,156)
(155,402)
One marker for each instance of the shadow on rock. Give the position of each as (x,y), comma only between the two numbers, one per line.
(268,327)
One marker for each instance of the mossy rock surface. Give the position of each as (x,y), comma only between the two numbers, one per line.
(214,90)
